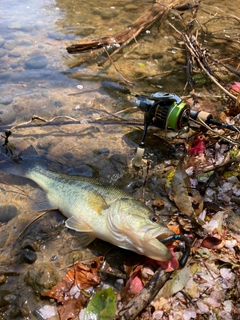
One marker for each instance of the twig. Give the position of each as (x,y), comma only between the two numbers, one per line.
(125,36)
(145,296)
(217,134)
(110,59)
(195,54)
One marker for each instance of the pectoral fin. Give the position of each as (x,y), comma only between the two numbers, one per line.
(96,202)
(78,225)
(86,234)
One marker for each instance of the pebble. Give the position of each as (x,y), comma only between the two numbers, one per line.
(7,213)
(6,100)
(68,155)
(38,62)
(106,15)
(14,54)
(46,312)
(14,65)
(157,55)
(7,115)
(28,255)
(3,52)
(26,43)
(42,277)
(10,45)
(45,93)
(58,104)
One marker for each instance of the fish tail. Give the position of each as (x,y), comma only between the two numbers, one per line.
(19,165)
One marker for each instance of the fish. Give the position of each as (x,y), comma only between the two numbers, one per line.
(93,208)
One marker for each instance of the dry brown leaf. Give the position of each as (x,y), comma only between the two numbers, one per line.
(81,276)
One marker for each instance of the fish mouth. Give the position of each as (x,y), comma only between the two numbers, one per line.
(158,233)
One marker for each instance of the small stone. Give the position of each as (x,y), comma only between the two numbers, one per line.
(38,62)
(68,155)
(6,100)
(14,54)
(14,65)
(3,53)
(42,277)
(157,55)
(26,43)
(28,255)
(58,104)
(46,312)
(45,93)
(106,15)
(10,45)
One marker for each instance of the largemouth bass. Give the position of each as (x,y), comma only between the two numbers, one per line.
(95,209)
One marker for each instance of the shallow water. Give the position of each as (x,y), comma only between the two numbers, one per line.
(38,77)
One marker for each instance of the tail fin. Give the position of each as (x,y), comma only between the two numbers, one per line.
(19,165)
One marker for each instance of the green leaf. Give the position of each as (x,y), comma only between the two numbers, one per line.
(177,283)
(102,306)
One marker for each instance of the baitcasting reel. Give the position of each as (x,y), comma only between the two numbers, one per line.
(163,110)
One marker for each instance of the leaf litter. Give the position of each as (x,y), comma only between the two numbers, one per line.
(202,201)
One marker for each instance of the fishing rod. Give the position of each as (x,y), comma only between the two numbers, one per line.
(168,111)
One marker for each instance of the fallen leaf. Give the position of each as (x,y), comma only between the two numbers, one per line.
(81,277)
(102,306)
(198,145)
(212,243)
(182,192)
(177,283)
(215,224)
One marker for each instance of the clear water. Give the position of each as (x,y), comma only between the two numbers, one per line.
(71,86)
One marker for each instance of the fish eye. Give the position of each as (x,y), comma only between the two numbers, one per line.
(154,218)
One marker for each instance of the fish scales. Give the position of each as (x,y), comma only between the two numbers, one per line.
(96,209)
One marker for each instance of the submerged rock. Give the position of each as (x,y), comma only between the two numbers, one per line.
(6,100)
(7,115)
(42,277)
(3,52)
(10,45)
(38,62)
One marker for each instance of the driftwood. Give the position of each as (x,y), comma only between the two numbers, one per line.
(122,38)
